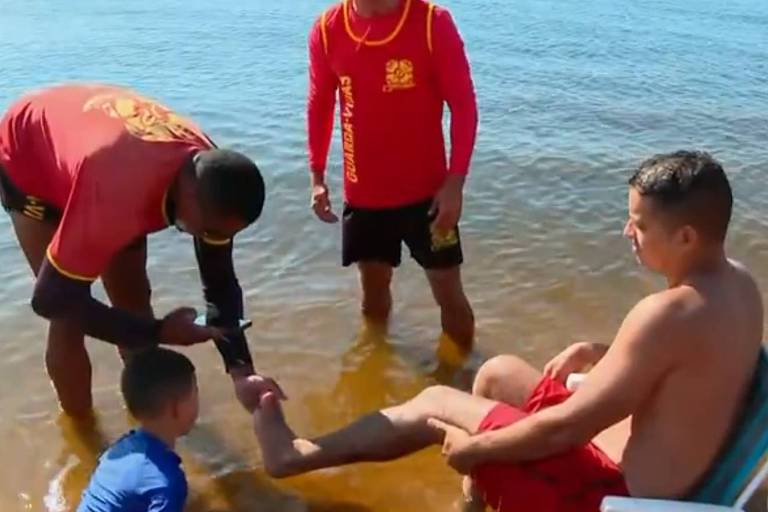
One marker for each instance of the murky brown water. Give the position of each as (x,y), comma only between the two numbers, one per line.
(538,280)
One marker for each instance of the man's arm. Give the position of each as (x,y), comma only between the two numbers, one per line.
(57,296)
(321,102)
(455,81)
(60,297)
(643,352)
(224,300)
(87,238)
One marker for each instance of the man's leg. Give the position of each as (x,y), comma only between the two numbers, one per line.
(384,435)
(457,318)
(441,256)
(511,380)
(507,379)
(370,238)
(127,284)
(66,359)
(375,279)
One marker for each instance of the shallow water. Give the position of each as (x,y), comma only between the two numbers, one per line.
(571,95)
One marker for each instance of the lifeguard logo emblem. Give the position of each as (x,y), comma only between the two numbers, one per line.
(399,75)
(442,241)
(34,208)
(144,118)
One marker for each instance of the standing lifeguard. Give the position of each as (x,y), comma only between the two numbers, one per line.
(395,63)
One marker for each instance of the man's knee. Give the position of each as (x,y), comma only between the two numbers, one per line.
(502,376)
(66,343)
(447,289)
(430,402)
(435,394)
(64,334)
(375,279)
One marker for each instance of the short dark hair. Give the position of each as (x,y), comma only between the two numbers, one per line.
(230,183)
(153,378)
(693,185)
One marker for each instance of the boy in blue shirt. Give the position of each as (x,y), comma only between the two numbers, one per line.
(141,472)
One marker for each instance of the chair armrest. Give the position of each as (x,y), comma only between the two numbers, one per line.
(618,504)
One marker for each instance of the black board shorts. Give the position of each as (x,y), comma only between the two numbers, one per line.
(378,235)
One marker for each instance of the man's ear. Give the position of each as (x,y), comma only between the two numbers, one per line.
(175,409)
(688,236)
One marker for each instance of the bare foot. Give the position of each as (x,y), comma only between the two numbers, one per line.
(281,451)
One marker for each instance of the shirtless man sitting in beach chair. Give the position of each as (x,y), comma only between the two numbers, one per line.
(678,370)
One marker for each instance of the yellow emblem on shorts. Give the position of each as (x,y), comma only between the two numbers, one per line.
(144,118)
(399,75)
(442,241)
(33,208)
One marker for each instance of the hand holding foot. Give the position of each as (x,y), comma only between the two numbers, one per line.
(250,389)
(281,450)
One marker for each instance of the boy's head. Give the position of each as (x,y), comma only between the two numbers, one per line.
(679,208)
(160,385)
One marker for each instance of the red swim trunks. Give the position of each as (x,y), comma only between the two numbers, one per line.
(575,481)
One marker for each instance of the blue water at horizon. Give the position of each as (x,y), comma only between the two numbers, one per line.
(587,81)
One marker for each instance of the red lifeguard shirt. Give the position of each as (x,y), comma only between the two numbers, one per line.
(393,74)
(105,156)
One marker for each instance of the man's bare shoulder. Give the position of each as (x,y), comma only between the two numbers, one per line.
(665,319)
(736,264)
(743,272)
(689,312)
(667,307)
